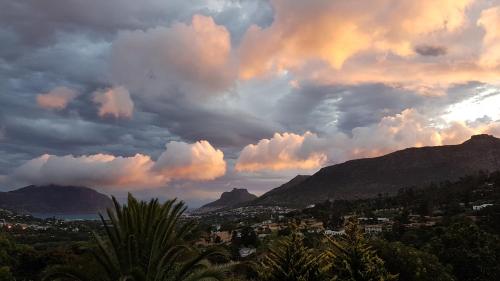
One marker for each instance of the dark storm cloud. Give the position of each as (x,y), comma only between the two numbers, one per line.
(431,50)
(37,22)
(66,43)
(220,126)
(328,108)
(343,107)
(241,14)
(364,105)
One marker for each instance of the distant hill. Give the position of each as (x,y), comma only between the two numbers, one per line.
(55,199)
(229,199)
(369,177)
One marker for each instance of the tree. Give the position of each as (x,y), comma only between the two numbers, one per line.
(412,264)
(145,241)
(290,260)
(5,274)
(353,259)
(473,253)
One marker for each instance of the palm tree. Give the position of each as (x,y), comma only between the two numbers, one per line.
(291,260)
(144,241)
(353,259)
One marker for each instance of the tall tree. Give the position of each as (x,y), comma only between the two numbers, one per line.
(290,260)
(412,264)
(352,258)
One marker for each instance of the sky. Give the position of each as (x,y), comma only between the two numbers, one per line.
(189,99)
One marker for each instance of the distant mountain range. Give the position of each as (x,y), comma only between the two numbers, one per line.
(55,199)
(369,177)
(361,178)
(229,199)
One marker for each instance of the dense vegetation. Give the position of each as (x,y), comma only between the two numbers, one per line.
(151,241)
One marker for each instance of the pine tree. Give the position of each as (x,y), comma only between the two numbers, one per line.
(353,259)
(290,260)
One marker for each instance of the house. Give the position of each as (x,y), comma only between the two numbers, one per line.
(245,252)
(479,207)
(334,232)
(224,236)
(374,228)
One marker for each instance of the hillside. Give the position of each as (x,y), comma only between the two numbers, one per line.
(55,199)
(229,199)
(369,177)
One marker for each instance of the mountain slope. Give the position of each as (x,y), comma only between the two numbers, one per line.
(386,174)
(229,199)
(55,199)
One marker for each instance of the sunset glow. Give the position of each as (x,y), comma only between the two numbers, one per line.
(185,99)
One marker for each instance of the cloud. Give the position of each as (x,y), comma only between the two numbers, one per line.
(57,99)
(281,152)
(198,161)
(409,128)
(92,170)
(430,50)
(181,161)
(340,69)
(490,20)
(194,59)
(334,31)
(183,73)
(37,23)
(115,102)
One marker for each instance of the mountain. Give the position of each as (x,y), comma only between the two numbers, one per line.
(369,177)
(229,199)
(55,199)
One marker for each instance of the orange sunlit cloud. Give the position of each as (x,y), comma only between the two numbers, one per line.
(334,31)
(282,152)
(181,161)
(115,102)
(58,98)
(409,128)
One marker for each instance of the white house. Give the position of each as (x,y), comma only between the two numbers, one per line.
(479,207)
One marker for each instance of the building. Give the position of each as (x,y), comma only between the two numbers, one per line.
(374,228)
(245,252)
(334,232)
(479,207)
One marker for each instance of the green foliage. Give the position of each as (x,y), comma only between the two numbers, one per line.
(353,259)
(490,219)
(474,254)
(290,260)
(246,237)
(412,264)
(7,249)
(5,274)
(145,241)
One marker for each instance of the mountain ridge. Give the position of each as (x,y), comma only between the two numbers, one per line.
(228,199)
(366,177)
(55,199)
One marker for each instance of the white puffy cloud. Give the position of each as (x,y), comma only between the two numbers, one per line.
(88,170)
(282,152)
(115,102)
(198,161)
(58,98)
(181,161)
